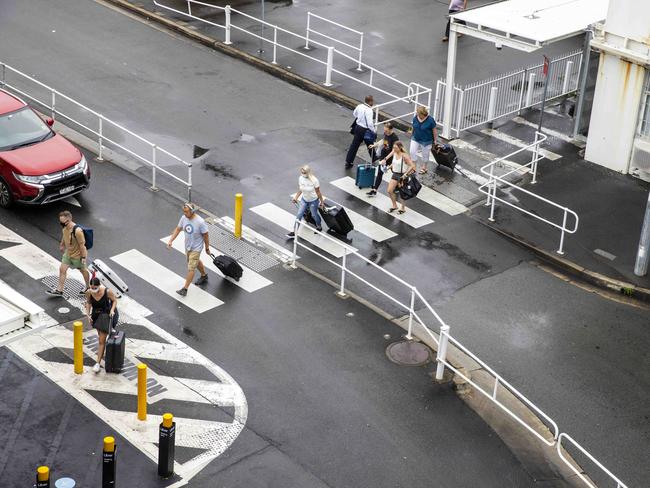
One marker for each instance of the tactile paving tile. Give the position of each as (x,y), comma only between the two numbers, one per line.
(246,253)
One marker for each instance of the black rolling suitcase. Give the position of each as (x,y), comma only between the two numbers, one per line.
(336,218)
(445,155)
(114,355)
(228,266)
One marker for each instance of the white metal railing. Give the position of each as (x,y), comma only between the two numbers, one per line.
(311,30)
(490,188)
(415,90)
(485,101)
(151,155)
(560,448)
(390,85)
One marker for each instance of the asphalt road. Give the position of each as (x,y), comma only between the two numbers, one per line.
(183,95)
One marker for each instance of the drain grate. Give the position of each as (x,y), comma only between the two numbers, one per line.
(247,254)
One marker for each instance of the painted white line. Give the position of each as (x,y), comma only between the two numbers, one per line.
(286,220)
(382,202)
(436,199)
(249,281)
(166,280)
(550,132)
(366,226)
(482,154)
(519,143)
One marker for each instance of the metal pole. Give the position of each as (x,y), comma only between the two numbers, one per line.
(54,104)
(275,46)
(296,230)
(409,334)
(584,70)
(541,110)
(449,88)
(341,291)
(567,73)
(100,156)
(360,52)
(521,93)
(227,41)
(441,356)
(261,49)
(153,168)
(560,251)
(641,265)
(530,90)
(492,104)
(189,183)
(307,32)
(2,83)
(328,69)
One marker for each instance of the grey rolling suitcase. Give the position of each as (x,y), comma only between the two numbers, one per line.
(108,277)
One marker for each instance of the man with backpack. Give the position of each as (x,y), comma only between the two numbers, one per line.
(74,245)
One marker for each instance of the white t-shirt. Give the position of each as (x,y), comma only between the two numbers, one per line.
(363,115)
(308,188)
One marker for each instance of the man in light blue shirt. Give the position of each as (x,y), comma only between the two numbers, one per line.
(196,237)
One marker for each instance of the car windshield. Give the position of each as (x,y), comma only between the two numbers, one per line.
(21,128)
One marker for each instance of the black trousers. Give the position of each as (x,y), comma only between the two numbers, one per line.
(449,20)
(357,139)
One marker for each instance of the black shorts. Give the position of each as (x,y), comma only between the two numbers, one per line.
(102,324)
(396,176)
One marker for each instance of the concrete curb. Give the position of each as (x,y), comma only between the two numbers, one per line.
(569,267)
(270,68)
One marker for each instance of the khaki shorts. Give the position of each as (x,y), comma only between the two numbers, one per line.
(193,259)
(75,263)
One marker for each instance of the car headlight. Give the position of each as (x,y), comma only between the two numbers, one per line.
(29,179)
(82,165)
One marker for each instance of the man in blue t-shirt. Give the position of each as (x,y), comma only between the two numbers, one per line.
(196,237)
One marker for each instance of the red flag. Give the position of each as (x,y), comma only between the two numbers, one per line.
(546,62)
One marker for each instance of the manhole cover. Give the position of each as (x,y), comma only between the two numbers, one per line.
(408,353)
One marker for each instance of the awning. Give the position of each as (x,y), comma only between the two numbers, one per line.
(528,25)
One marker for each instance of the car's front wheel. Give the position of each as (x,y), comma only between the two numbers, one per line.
(6,197)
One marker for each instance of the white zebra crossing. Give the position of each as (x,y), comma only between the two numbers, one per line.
(519,143)
(166,280)
(286,220)
(382,202)
(249,281)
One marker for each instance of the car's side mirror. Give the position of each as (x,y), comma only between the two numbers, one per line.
(49,121)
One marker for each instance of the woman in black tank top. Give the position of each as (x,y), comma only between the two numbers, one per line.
(101,309)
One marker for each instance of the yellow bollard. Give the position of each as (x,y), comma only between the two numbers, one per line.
(239,206)
(42,477)
(168,419)
(109,444)
(78,338)
(142,391)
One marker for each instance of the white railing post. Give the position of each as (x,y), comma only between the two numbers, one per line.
(409,333)
(307,32)
(492,104)
(53,109)
(227,41)
(330,63)
(560,250)
(531,88)
(488,202)
(372,73)
(535,159)
(521,92)
(189,8)
(441,356)
(153,168)
(436,101)
(495,389)
(101,138)
(189,182)
(360,52)
(567,73)
(296,230)
(460,113)
(2,82)
(493,200)
(341,291)
(275,44)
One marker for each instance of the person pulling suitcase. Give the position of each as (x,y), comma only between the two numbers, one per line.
(383,148)
(307,198)
(101,310)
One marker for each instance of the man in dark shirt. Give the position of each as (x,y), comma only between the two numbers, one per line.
(382,148)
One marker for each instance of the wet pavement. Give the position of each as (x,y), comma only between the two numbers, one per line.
(258,130)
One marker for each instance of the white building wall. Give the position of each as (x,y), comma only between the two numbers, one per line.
(625,48)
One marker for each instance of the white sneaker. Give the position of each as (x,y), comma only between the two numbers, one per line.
(96,368)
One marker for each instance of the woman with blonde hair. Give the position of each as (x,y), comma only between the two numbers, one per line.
(309,196)
(401,167)
(423,135)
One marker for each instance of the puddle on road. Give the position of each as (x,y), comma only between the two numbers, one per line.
(220,171)
(429,240)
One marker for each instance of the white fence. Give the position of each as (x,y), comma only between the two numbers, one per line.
(412,100)
(107,131)
(310,30)
(484,101)
(407,298)
(490,189)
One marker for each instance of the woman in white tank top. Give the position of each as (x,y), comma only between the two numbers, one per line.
(401,167)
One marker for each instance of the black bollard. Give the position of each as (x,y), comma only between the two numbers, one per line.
(108,463)
(166,443)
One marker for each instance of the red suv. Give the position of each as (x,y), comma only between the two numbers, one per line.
(36,164)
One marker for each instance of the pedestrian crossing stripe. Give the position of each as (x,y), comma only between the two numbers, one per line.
(211,437)
(436,199)
(287,220)
(249,281)
(166,280)
(364,225)
(550,132)
(519,143)
(382,202)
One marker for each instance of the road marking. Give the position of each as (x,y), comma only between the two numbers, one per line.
(382,202)
(366,226)
(212,437)
(550,132)
(519,143)
(286,220)
(166,280)
(249,281)
(436,199)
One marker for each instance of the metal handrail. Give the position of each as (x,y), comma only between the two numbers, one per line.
(102,138)
(619,483)
(309,29)
(413,97)
(490,189)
